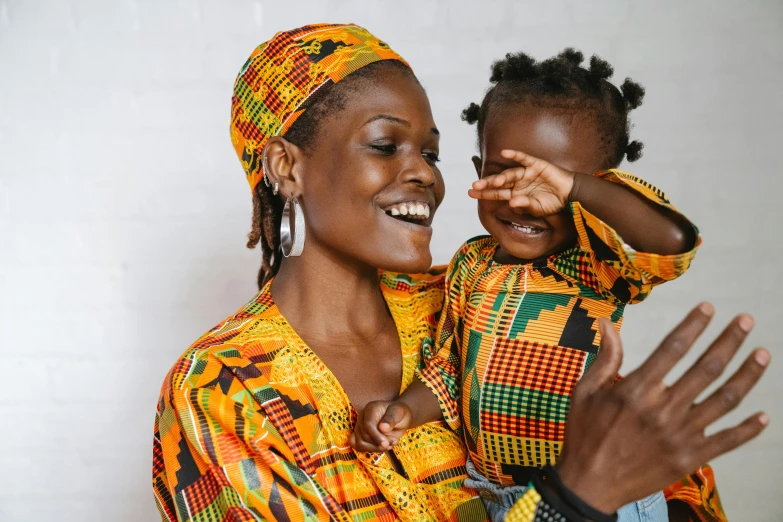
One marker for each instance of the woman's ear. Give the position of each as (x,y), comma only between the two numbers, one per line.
(280,161)
(477,164)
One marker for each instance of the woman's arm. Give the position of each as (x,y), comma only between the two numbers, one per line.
(219,459)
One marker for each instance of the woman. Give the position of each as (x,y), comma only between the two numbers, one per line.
(334,131)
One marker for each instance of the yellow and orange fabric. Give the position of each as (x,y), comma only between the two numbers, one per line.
(274,85)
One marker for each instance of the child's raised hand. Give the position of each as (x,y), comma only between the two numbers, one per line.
(537,187)
(380,425)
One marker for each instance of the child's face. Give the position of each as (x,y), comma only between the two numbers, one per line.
(568,140)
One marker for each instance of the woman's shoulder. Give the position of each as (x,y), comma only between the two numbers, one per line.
(225,346)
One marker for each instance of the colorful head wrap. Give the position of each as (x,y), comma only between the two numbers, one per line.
(273,88)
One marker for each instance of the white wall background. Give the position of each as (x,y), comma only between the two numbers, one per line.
(124,212)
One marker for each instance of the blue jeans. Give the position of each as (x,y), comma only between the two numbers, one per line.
(498,500)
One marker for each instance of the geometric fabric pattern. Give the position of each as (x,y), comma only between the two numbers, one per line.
(251,425)
(276,84)
(514,340)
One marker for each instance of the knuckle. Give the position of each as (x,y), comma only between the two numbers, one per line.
(729,398)
(680,462)
(734,438)
(628,397)
(675,345)
(670,445)
(711,368)
(656,420)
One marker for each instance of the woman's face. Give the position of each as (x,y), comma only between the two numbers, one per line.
(370,183)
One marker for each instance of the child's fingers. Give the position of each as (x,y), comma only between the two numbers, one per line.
(494,181)
(525,159)
(520,202)
(367,425)
(359,443)
(506,179)
(397,417)
(496,194)
(362,445)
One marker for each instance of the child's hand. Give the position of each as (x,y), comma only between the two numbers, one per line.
(380,425)
(537,187)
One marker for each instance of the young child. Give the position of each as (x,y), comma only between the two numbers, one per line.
(567,247)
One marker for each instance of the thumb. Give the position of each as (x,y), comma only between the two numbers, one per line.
(397,417)
(607,364)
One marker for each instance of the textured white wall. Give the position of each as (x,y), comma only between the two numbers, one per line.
(123,211)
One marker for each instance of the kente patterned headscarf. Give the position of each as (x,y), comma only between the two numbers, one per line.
(273,88)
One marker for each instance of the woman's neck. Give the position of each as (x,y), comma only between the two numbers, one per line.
(326,296)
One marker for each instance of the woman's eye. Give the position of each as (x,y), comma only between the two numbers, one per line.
(388,150)
(434,157)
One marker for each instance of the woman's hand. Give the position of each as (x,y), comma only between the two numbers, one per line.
(537,187)
(380,425)
(628,439)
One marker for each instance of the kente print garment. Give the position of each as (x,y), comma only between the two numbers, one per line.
(252,426)
(513,340)
(276,84)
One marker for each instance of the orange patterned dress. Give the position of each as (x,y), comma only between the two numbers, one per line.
(251,425)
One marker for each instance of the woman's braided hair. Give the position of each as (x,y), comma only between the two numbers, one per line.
(563,83)
(268,207)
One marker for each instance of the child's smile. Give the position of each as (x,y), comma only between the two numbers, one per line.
(526,227)
(523,237)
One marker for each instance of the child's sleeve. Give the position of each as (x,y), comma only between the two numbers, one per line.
(611,267)
(443,371)
(695,497)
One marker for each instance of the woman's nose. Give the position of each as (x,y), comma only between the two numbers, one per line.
(419,171)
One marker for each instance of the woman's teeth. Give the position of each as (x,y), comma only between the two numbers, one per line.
(414,209)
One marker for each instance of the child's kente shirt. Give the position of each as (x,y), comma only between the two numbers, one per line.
(513,340)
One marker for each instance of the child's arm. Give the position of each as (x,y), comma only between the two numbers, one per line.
(382,423)
(434,394)
(643,224)
(625,226)
(540,188)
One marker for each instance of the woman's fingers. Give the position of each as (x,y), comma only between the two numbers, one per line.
(729,396)
(673,347)
(711,364)
(606,365)
(731,438)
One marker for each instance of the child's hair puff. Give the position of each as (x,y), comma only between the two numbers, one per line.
(563,82)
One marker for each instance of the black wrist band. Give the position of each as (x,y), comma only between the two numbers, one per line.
(550,498)
(550,480)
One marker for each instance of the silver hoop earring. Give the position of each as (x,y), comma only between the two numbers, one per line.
(264,166)
(292,229)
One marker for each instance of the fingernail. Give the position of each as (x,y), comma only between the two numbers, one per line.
(707,308)
(764,419)
(761,357)
(745,323)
